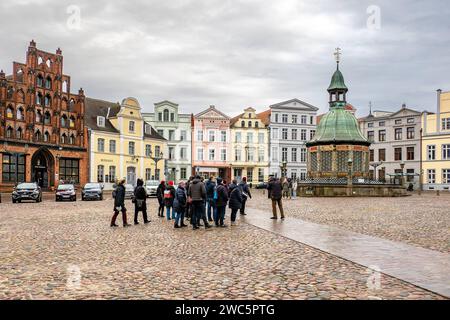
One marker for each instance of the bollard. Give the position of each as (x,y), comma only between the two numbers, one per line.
(438,193)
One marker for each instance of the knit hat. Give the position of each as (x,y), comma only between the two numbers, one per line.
(219,181)
(170,183)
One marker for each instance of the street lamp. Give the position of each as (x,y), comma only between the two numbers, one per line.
(156,159)
(375,165)
(402,166)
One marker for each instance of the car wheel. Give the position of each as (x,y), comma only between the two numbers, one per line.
(101,198)
(13,201)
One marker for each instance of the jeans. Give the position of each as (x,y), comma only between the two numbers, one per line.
(210,207)
(244,200)
(198,212)
(219,215)
(233,214)
(168,213)
(180,216)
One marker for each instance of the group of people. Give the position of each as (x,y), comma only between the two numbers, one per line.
(289,188)
(196,200)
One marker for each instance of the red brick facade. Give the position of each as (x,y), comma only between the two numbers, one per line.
(42,133)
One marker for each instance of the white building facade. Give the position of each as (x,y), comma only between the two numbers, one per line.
(292,124)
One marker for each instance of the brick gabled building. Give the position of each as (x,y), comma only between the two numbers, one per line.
(42,132)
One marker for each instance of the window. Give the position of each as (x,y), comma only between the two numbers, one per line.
(382,135)
(410,175)
(237,137)
(311,120)
(199,135)
(148,174)
(398,121)
(212,155)
(431,152)
(381,123)
(312,133)
(382,155)
(131,150)
(371,136)
(161,132)
(276,117)
(249,137)
(46,136)
(38,116)
(410,131)
(398,154)
(200,154)
(303,134)
(294,134)
(37,136)
(13,168)
(48,83)
(303,154)
(183,135)
(410,153)
(160,117)
(431,175)
(410,120)
(223,154)
(371,155)
(303,119)
(398,134)
(157,151)
(211,136)
(72,122)
(9,132)
(72,139)
(237,154)
(261,155)
(40,81)
(250,154)
(275,134)
(183,153)
(64,121)
(47,118)
(19,113)
(275,154)
(101,121)
(100,173)
(19,133)
(284,154)
(69,170)
(157,174)
(39,98)
(183,173)
(63,138)
(446,176)
(101,145)
(249,124)
(172,117)
(284,134)
(294,154)
(47,100)
(112,174)
(284,118)
(242,123)
(171,153)
(223,136)
(166,115)
(294,118)
(446,152)
(370,125)
(9,112)
(112,146)
(148,151)
(131,126)
(260,138)
(171,135)
(256,124)
(260,174)
(250,174)
(446,124)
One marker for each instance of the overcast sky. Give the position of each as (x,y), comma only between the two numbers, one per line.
(235,54)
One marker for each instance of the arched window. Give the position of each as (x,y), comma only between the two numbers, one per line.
(71,104)
(72,139)
(20,96)
(9,132)
(10,112)
(19,75)
(39,98)
(64,121)
(19,133)
(256,124)
(48,100)
(166,115)
(242,124)
(48,82)
(64,86)
(72,122)
(249,124)
(9,93)
(46,136)
(64,104)
(40,81)
(48,62)
(38,116)
(37,136)
(63,138)
(19,114)
(40,60)
(47,118)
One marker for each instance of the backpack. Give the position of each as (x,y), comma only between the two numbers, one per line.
(216,195)
(167,194)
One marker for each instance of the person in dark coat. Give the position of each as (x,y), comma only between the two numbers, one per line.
(210,185)
(140,201)
(188,212)
(245,191)
(119,204)
(235,202)
(160,196)
(275,191)
(221,203)
(197,195)
(169,197)
(179,205)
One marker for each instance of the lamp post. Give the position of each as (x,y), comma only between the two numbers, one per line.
(375,165)
(156,159)
(350,178)
(402,166)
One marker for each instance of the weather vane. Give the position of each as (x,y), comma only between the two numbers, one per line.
(337,54)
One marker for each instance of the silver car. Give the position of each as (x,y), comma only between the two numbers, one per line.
(151,186)
(129,191)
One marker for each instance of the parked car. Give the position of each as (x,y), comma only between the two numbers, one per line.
(27,191)
(66,192)
(92,191)
(151,186)
(129,191)
(262,185)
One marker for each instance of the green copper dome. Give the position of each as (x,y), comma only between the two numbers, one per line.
(337,81)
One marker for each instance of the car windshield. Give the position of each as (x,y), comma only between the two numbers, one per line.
(65,187)
(152,183)
(129,187)
(27,186)
(92,186)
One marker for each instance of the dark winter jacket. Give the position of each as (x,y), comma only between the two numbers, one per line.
(210,185)
(275,190)
(197,190)
(160,191)
(140,193)
(235,198)
(119,199)
(222,196)
(231,187)
(168,202)
(180,201)
(245,189)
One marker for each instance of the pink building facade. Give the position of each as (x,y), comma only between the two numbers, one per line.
(211,144)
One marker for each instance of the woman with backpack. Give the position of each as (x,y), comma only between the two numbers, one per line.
(160,196)
(169,196)
(179,205)
(140,202)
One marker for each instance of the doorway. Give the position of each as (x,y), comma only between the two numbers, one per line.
(131,175)
(42,166)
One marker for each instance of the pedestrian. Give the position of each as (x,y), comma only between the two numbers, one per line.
(188,212)
(160,196)
(275,194)
(221,200)
(140,201)
(236,200)
(285,186)
(294,189)
(245,190)
(119,204)
(169,196)
(180,205)
(210,185)
(197,198)
(290,188)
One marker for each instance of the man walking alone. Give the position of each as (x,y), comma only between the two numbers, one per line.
(275,191)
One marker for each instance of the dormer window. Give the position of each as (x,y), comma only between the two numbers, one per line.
(131,126)
(101,121)
(148,129)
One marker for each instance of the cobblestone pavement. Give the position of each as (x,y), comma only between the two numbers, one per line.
(417,220)
(68,251)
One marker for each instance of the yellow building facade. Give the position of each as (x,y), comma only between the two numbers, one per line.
(122,144)
(436,145)
(249,148)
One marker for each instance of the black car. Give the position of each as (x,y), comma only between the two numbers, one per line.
(66,192)
(262,185)
(92,191)
(27,191)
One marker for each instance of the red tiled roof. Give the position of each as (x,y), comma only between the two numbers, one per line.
(264,116)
